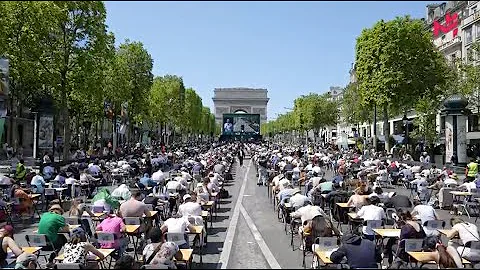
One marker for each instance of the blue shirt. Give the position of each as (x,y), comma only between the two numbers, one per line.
(148,182)
(38,182)
(337,179)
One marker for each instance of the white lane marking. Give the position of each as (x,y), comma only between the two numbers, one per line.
(267,253)
(246,195)
(232,227)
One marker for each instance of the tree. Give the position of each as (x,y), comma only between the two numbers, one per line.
(139,65)
(17,28)
(354,112)
(73,45)
(314,111)
(396,65)
(193,110)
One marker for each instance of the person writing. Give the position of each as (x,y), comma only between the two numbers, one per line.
(360,253)
(52,223)
(6,240)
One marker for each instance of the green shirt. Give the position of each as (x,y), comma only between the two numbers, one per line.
(50,223)
(326,186)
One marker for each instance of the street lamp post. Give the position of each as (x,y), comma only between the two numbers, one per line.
(406,124)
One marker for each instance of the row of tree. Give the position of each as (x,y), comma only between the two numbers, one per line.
(63,51)
(311,112)
(398,69)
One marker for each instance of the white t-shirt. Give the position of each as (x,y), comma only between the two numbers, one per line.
(298,200)
(190,208)
(425,212)
(158,176)
(176,225)
(174,185)
(283,183)
(308,212)
(371,212)
(467,232)
(70,181)
(469,186)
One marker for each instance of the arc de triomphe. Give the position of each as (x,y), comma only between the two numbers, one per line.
(245,100)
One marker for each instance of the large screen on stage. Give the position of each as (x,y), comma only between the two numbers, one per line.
(237,124)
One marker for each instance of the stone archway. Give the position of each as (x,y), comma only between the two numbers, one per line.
(240,111)
(240,100)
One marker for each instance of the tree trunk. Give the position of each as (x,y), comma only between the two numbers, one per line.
(386,128)
(66,131)
(374,127)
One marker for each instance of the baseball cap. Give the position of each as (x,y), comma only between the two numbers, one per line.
(186,196)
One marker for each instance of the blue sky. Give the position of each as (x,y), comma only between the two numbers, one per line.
(290,48)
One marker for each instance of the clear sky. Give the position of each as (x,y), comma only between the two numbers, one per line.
(289,48)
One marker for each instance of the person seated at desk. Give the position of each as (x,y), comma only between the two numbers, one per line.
(467,232)
(6,240)
(378,192)
(122,192)
(48,172)
(189,207)
(445,257)
(51,224)
(60,178)
(421,182)
(38,183)
(77,250)
(360,253)
(371,211)
(202,191)
(297,199)
(136,208)
(151,249)
(165,256)
(26,204)
(319,226)
(95,170)
(409,229)
(357,200)
(147,181)
(287,192)
(178,224)
(114,224)
(77,209)
(398,202)
(26,261)
(425,213)
(87,180)
(104,199)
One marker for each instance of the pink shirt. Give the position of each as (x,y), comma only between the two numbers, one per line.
(112,225)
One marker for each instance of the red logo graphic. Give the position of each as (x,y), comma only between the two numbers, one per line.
(451,23)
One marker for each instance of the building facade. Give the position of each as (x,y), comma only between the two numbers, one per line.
(455,26)
(245,100)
